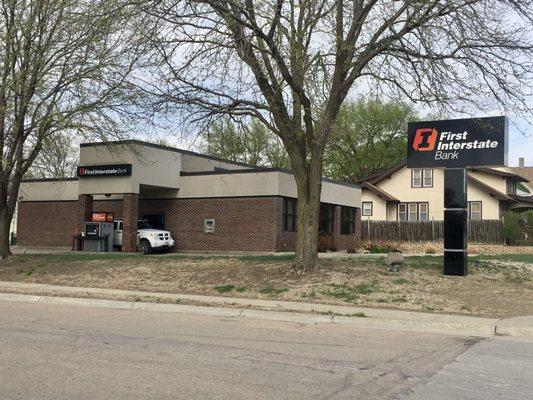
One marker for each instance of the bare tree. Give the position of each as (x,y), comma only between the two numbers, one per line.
(58,158)
(292,63)
(63,65)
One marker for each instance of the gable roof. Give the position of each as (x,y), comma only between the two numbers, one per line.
(526,172)
(489,189)
(381,193)
(497,172)
(378,177)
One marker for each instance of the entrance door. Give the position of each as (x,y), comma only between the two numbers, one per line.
(156,220)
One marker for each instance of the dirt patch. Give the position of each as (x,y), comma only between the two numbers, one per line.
(496,287)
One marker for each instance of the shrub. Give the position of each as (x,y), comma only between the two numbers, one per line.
(325,242)
(377,248)
(511,229)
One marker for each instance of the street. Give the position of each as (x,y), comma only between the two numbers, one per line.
(68,352)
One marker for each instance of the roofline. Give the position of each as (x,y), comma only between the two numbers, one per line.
(525,199)
(376,178)
(262,170)
(30,180)
(496,172)
(162,147)
(379,192)
(496,193)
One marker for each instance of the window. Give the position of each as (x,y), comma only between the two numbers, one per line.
(427,178)
(367,208)
(402,212)
(416,178)
(413,212)
(289,214)
(511,186)
(423,212)
(347,220)
(155,220)
(474,209)
(421,178)
(325,223)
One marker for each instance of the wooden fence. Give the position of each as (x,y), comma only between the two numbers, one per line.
(483,231)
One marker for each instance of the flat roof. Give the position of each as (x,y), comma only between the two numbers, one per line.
(130,142)
(261,170)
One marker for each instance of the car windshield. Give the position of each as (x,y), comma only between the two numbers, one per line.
(143,225)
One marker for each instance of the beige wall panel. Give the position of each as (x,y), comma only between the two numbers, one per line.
(379,206)
(262,184)
(48,191)
(150,166)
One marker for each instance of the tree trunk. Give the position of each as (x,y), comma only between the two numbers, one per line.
(5,224)
(309,185)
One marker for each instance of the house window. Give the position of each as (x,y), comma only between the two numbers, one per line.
(413,212)
(347,220)
(421,178)
(474,209)
(367,208)
(402,212)
(289,214)
(412,209)
(423,212)
(511,186)
(325,223)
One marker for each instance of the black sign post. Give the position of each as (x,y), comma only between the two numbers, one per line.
(455,145)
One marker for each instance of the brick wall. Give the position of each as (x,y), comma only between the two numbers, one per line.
(240,223)
(252,223)
(46,223)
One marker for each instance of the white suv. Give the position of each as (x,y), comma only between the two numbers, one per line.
(148,238)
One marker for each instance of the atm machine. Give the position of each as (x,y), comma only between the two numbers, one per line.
(98,236)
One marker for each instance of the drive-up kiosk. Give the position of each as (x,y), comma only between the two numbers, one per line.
(98,233)
(454,145)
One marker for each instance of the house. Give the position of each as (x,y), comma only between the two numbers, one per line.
(180,191)
(403,194)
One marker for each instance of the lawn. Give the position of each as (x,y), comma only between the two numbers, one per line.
(497,286)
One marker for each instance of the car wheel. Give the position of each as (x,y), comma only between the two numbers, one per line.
(145,246)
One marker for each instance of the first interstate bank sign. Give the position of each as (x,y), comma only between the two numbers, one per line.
(104,170)
(457,143)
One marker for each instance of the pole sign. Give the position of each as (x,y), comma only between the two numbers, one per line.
(104,170)
(457,143)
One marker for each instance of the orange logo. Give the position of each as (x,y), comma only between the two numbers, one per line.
(425,139)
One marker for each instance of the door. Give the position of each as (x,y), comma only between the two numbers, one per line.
(117,237)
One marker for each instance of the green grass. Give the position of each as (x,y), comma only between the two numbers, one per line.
(224,288)
(241,289)
(348,293)
(272,291)
(359,314)
(525,258)
(401,281)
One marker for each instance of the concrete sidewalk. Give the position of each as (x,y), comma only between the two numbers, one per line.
(268,309)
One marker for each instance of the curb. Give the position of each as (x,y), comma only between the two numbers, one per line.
(374,318)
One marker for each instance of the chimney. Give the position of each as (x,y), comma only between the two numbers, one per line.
(521,162)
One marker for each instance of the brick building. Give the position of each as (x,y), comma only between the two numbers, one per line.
(178,190)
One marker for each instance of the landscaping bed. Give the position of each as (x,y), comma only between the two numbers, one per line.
(497,286)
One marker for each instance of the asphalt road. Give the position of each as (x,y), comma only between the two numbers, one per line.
(63,352)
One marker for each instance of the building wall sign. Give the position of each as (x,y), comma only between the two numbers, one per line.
(457,142)
(104,170)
